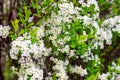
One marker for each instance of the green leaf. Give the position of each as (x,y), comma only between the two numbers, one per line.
(13,37)
(74,1)
(33,35)
(60,56)
(93,76)
(73,45)
(8,73)
(30,24)
(21,31)
(27,13)
(82,38)
(54,77)
(15,25)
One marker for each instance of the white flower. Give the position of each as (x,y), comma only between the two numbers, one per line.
(67,38)
(60,69)
(95,3)
(40,31)
(34,73)
(66,49)
(117,28)
(81,1)
(30,19)
(79,70)
(103,76)
(71,54)
(63,0)
(4,31)
(24,47)
(113,23)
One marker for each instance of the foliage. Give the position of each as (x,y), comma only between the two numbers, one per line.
(64,40)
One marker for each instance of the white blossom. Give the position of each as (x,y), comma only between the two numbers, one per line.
(60,69)
(79,70)
(103,76)
(4,31)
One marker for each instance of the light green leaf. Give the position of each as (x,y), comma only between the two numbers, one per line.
(30,24)
(93,77)
(15,25)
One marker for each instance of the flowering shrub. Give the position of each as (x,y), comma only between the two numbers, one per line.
(64,40)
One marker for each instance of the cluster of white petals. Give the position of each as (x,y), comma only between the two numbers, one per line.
(31,73)
(4,31)
(60,69)
(29,53)
(113,24)
(34,73)
(28,70)
(89,3)
(24,46)
(103,76)
(79,70)
(115,76)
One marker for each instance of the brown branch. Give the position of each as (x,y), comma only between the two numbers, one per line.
(36,19)
(110,54)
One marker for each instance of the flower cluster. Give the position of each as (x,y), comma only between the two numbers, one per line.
(79,70)
(60,69)
(114,70)
(28,70)
(24,46)
(113,24)
(4,31)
